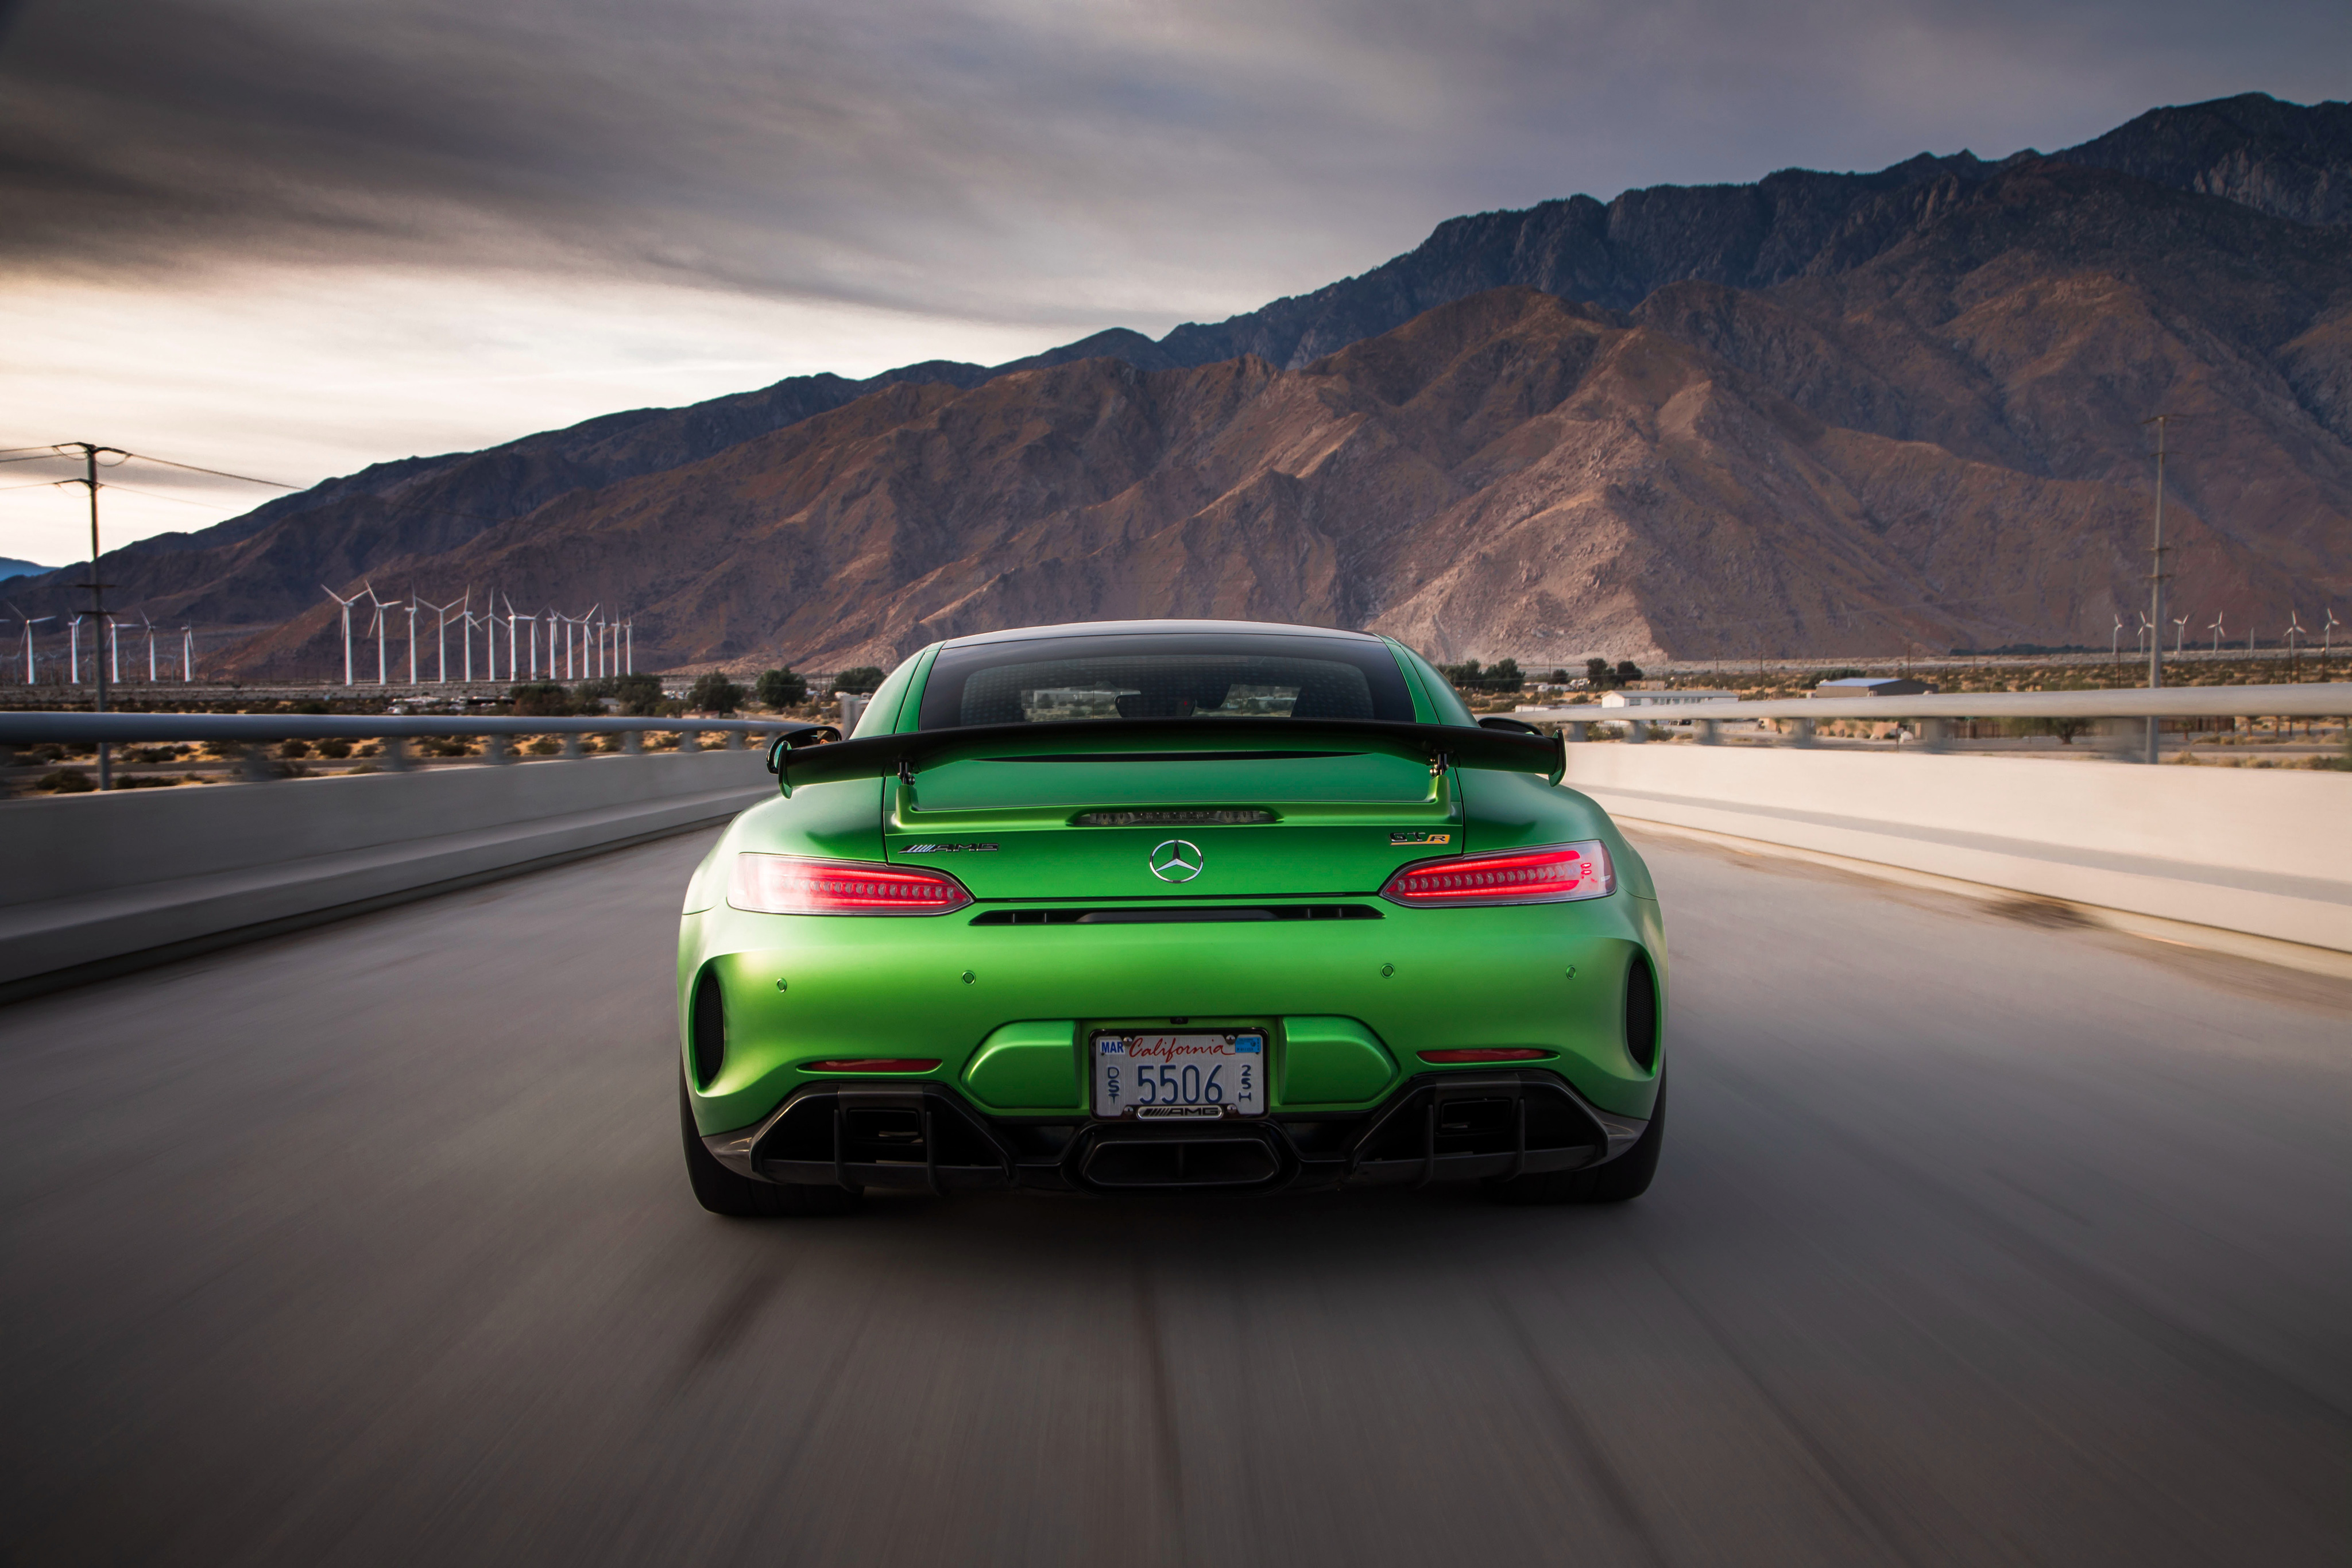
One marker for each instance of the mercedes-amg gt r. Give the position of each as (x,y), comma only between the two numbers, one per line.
(1168,906)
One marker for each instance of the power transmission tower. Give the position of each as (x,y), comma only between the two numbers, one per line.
(2156,587)
(89,454)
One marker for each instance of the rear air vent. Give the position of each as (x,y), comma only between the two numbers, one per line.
(1169,914)
(707,1029)
(1641,1013)
(1115,1162)
(1170,818)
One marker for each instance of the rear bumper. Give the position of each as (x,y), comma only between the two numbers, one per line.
(924,1136)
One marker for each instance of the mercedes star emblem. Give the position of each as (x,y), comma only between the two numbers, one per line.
(1176,860)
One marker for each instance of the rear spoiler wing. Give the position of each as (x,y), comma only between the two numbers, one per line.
(802,756)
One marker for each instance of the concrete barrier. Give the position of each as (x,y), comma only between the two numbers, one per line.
(2255,861)
(97,884)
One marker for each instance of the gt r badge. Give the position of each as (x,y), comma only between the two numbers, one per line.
(1176,860)
(945,849)
(1421,838)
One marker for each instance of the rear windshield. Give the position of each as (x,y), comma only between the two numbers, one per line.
(1061,680)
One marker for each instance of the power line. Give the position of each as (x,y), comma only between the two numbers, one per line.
(157,496)
(36,453)
(44,485)
(215,473)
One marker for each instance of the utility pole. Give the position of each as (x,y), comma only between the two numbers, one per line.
(2156,587)
(96,588)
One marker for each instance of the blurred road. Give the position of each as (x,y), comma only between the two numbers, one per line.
(1977,1241)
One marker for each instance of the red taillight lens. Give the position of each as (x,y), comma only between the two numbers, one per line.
(787,884)
(873,1064)
(1555,873)
(1485,1053)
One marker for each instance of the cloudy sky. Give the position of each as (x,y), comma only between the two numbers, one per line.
(290,237)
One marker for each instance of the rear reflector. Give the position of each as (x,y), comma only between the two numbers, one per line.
(1506,1054)
(787,884)
(873,1064)
(1554,873)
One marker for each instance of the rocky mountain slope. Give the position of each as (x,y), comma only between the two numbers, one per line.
(1894,380)
(1941,445)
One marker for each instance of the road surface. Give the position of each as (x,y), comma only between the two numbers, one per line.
(1978,1241)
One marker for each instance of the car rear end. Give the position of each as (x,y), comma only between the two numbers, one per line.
(1217,907)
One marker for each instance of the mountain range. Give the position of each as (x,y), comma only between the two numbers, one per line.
(1822,413)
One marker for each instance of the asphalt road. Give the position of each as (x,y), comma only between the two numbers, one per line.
(1977,1241)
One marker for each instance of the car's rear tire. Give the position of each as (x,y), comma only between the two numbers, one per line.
(722,1191)
(1626,1177)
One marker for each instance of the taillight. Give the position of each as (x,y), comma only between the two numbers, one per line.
(1555,873)
(787,884)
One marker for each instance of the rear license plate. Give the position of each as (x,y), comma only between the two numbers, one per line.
(1179,1077)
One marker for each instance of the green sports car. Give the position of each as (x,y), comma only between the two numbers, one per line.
(1168,906)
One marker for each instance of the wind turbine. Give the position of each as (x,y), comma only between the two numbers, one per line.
(2147,628)
(188,657)
(2179,631)
(441,637)
(592,648)
(347,605)
(412,607)
(514,666)
(490,624)
(2216,629)
(113,649)
(73,650)
(151,646)
(2116,643)
(30,621)
(2328,636)
(630,627)
(379,630)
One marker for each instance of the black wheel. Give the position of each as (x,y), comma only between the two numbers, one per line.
(1625,1177)
(722,1191)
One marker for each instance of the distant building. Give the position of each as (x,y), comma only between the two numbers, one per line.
(1666,699)
(1873,686)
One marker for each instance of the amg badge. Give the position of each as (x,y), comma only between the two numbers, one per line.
(943,849)
(1417,837)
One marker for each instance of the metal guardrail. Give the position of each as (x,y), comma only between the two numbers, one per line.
(2311,700)
(250,729)
(1933,710)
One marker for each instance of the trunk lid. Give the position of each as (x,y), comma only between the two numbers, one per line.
(1212,823)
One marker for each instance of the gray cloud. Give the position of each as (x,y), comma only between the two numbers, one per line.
(1034,160)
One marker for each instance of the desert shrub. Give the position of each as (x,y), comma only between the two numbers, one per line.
(779,688)
(640,696)
(2065,729)
(545,745)
(541,699)
(714,693)
(291,749)
(334,750)
(65,781)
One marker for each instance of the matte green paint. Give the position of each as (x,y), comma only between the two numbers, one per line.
(1028,1066)
(1349,1003)
(1331,1061)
